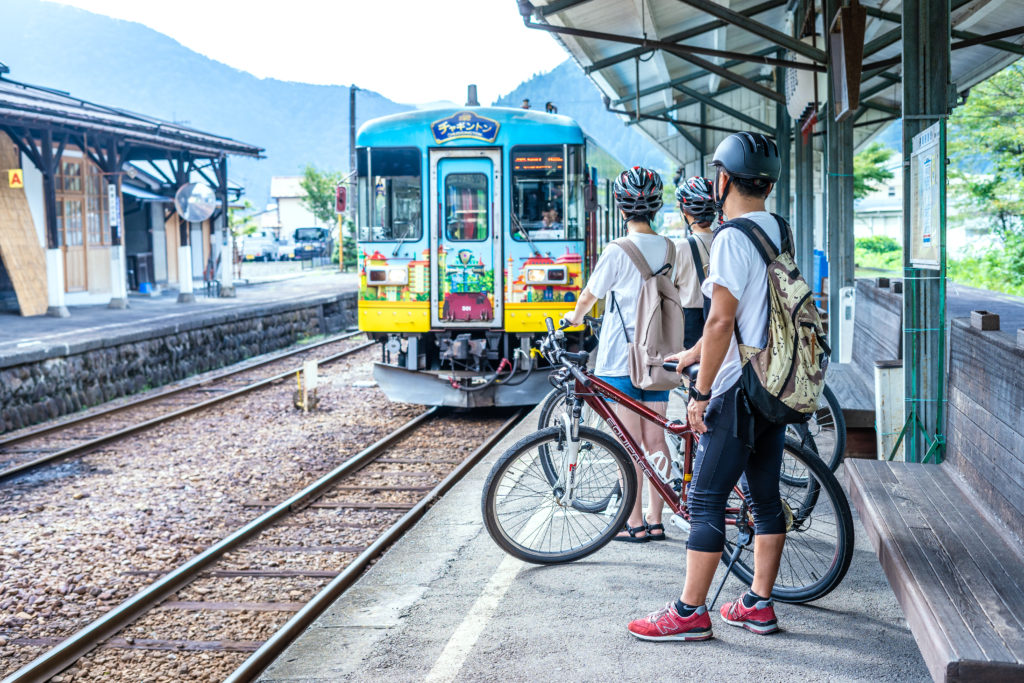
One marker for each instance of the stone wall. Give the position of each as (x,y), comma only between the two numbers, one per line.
(45,384)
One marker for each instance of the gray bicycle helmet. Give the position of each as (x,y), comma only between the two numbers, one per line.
(749,155)
(637,191)
(694,197)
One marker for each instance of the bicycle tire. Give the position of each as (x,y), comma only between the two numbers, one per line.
(550,412)
(825,432)
(833,520)
(600,531)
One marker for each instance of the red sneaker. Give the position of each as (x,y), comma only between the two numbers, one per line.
(666,624)
(758,619)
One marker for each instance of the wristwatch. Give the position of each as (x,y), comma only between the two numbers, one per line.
(696,395)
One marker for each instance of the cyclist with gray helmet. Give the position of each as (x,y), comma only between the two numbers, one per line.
(734,441)
(694,197)
(638,196)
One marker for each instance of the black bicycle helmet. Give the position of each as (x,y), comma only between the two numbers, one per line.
(694,197)
(749,155)
(638,191)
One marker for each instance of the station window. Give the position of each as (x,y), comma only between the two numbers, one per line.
(390,200)
(465,207)
(82,211)
(539,207)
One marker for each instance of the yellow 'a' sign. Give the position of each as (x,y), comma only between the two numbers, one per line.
(15,178)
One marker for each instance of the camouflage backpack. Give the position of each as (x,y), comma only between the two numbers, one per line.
(783,381)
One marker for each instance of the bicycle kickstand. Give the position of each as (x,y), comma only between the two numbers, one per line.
(741,543)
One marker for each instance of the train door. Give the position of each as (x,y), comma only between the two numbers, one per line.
(465,237)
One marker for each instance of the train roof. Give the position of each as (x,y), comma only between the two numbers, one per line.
(433,127)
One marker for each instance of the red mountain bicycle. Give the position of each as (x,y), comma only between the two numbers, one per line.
(563,492)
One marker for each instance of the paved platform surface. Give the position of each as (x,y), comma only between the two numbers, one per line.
(18,334)
(446,604)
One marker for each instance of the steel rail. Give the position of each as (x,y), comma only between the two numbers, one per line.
(285,635)
(93,444)
(53,661)
(48,429)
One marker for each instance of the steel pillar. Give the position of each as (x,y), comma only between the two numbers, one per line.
(839,201)
(926,99)
(803,206)
(783,131)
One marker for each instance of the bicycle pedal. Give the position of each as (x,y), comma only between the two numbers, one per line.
(679,523)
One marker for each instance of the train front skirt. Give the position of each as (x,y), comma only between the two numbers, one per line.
(435,388)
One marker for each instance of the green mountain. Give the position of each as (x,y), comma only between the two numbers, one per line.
(127,65)
(575,95)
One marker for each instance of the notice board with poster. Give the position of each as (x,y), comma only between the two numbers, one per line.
(927,197)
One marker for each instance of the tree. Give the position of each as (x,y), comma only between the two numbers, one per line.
(986,140)
(241,221)
(320,192)
(869,171)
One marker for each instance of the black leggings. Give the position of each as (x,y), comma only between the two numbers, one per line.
(721,458)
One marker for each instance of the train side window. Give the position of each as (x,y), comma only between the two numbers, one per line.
(465,207)
(538,189)
(391,205)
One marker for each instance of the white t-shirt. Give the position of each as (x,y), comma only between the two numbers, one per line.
(737,265)
(616,274)
(689,285)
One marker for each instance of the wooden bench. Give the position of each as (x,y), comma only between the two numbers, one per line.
(877,335)
(947,535)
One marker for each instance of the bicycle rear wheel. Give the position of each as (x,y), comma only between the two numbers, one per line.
(819,540)
(824,433)
(522,509)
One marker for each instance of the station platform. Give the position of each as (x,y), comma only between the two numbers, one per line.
(445,603)
(32,338)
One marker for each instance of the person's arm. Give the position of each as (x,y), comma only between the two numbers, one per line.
(718,331)
(686,357)
(583,306)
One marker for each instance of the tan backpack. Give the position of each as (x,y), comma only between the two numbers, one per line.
(659,317)
(784,379)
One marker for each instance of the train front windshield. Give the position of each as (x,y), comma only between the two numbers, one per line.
(539,207)
(390,203)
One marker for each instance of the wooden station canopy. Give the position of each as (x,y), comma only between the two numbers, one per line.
(42,122)
(688,72)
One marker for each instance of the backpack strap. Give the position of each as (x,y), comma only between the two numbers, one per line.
(788,243)
(622,321)
(634,254)
(698,262)
(764,245)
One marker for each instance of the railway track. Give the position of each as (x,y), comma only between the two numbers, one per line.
(369,501)
(29,449)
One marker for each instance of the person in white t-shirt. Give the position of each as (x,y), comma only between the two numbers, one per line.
(698,208)
(734,441)
(638,196)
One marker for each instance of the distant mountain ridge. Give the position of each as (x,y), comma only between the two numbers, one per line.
(127,65)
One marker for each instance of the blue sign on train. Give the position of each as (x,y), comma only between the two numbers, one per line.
(465,124)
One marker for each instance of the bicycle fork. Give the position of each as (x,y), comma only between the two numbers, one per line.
(567,476)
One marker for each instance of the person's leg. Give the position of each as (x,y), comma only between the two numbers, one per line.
(653,437)
(717,466)
(632,424)
(762,476)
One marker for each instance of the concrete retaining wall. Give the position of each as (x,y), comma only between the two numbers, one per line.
(45,383)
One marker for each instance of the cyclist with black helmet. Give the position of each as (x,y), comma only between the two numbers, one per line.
(734,441)
(638,196)
(694,196)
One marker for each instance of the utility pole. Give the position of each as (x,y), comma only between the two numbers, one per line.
(352,128)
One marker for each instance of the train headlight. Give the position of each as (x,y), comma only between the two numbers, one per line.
(377,276)
(546,276)
(385,276)
(398,276)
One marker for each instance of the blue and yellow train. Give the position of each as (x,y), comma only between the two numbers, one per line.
(474,225)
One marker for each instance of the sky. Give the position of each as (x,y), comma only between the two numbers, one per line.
(411,51)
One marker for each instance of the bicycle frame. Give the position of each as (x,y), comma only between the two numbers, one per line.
(594,398)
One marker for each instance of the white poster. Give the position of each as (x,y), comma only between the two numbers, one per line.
(926,178)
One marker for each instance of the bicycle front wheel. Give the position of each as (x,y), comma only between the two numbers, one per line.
(819,536)
(528,516)
(554,406)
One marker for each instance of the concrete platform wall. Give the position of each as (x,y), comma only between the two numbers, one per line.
(45,383)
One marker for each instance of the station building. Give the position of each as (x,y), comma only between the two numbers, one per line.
(86,202)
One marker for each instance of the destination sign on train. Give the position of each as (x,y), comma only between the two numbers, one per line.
(537,161)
